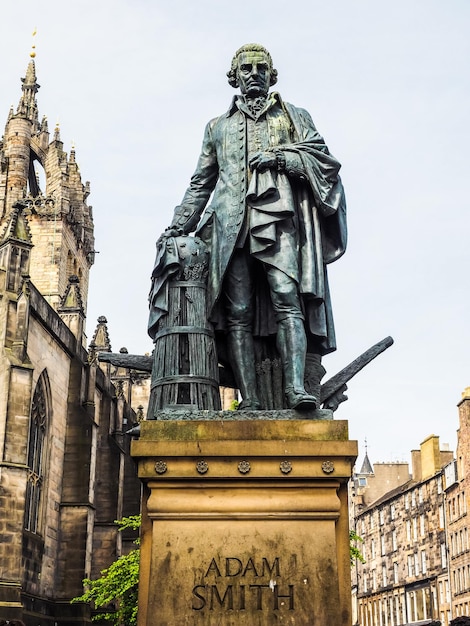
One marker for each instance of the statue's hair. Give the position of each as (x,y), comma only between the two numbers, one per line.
(250,47)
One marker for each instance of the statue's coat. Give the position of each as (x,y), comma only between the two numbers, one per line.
(309,192)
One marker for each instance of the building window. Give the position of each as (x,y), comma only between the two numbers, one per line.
(394,540)
(422,525)
(384,576)
(395,573)
(408,530)
(36,445)
(392,512)
(434,600)
(411,602)
(372,549)
(362,481)
(389,612)
(443,556)
(420,495)
(381,517)
(423,561)
(382,545)
(441,516)
(407,502)
(397,610)
(410,565)
(413,498)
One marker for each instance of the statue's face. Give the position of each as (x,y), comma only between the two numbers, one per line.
(253,73)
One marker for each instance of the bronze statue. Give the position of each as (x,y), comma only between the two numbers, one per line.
(276,218)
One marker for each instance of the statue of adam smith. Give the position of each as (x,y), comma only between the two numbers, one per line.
(276,218)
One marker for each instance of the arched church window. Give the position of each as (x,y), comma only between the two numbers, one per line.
(36,176)
(36,453)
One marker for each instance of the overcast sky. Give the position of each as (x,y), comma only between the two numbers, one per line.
(133,83)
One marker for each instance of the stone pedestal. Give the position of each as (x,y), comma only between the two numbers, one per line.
(245,522)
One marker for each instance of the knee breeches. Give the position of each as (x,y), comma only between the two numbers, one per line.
(239,290)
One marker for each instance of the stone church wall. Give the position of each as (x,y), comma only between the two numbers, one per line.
(65,470)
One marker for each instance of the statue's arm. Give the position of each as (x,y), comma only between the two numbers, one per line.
(309,159)
(203,181)
(289,158)
(309,137)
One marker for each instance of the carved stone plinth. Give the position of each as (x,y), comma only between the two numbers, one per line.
(245,522)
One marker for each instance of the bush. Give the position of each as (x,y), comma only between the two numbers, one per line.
(354,552)
(117,588)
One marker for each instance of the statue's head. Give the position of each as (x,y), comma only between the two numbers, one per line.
(252,70)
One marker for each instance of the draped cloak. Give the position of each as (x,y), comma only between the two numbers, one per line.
(308,194)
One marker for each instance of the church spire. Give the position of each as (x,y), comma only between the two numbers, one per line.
(366,464)
(17,228)
(36,169)
(71,308)
(27,106)
(15,247)
(100,341)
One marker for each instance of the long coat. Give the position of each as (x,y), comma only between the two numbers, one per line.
(308,191)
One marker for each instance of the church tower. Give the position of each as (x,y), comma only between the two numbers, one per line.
(65,469)
(60,220)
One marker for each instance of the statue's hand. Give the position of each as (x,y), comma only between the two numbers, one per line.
(171,231)
(263,161)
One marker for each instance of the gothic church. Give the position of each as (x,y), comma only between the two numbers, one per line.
(65,471)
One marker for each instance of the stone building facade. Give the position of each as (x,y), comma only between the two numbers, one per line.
(406,576)
(457,475)
(65,469)
(416,534)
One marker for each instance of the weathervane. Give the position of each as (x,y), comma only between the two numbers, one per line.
(32,54)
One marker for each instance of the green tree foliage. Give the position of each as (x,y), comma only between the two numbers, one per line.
(354,552)
(116,589)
